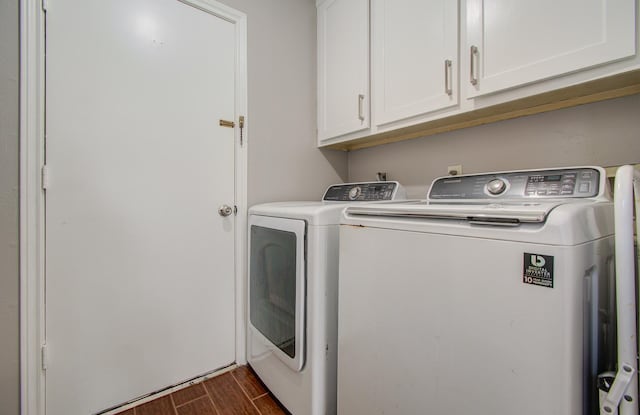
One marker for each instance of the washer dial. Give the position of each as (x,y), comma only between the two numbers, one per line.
(354,192)
(496,186)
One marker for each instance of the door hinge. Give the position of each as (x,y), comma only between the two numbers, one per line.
(45,5)
(44,356)
(44,177)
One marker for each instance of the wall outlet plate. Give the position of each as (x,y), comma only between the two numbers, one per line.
(455,170)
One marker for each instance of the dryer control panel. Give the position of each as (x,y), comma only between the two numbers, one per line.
(579,182)
(363,192)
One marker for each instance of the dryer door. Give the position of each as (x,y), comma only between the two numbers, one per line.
(277,286)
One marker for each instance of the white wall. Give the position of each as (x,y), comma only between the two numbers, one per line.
(284,163)
(605,133)
(9,278)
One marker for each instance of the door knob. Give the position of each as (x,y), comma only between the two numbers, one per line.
(225,210)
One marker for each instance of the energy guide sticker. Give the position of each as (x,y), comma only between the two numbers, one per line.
(538,270)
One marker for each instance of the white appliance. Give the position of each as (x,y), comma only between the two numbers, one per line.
(619,390)
(493,296)
(293,282)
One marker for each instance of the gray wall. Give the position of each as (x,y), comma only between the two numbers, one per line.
(605,133)
(284,163)
(9,260)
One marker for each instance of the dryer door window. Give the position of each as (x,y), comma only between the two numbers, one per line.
(276,285)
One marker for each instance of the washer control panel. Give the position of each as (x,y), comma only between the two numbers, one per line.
(580,182)
(361,192)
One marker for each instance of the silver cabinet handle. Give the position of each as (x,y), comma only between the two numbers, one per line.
(225,210)
(360,107)
(473,58)
(448,89)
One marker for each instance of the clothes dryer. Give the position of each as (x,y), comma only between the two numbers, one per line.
(293,282)
(493,296)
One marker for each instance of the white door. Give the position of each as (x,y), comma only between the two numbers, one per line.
(515,42)
(415,57)
(343,67)
(139,264)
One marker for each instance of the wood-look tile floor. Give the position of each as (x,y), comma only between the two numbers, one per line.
(238,392)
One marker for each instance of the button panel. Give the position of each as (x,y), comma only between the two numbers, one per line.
(550,185)
(361,192)
(541,184)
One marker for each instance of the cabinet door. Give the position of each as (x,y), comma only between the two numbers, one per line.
(343,67)
(515,42)
(415,57)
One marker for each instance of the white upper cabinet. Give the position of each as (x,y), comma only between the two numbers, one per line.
(438,65)
(343,67)
(515,42)
(414,57)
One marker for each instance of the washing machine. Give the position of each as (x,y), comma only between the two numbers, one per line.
(293,282)
(494,295)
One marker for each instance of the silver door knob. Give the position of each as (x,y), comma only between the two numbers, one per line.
(225,210)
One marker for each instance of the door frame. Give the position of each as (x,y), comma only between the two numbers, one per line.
(32,196)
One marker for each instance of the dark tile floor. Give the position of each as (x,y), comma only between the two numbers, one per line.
(238,392)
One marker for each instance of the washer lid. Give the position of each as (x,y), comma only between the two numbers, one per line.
(508,214)
(568,222)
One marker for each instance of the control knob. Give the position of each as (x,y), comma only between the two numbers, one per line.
(354,192)
(496,186)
